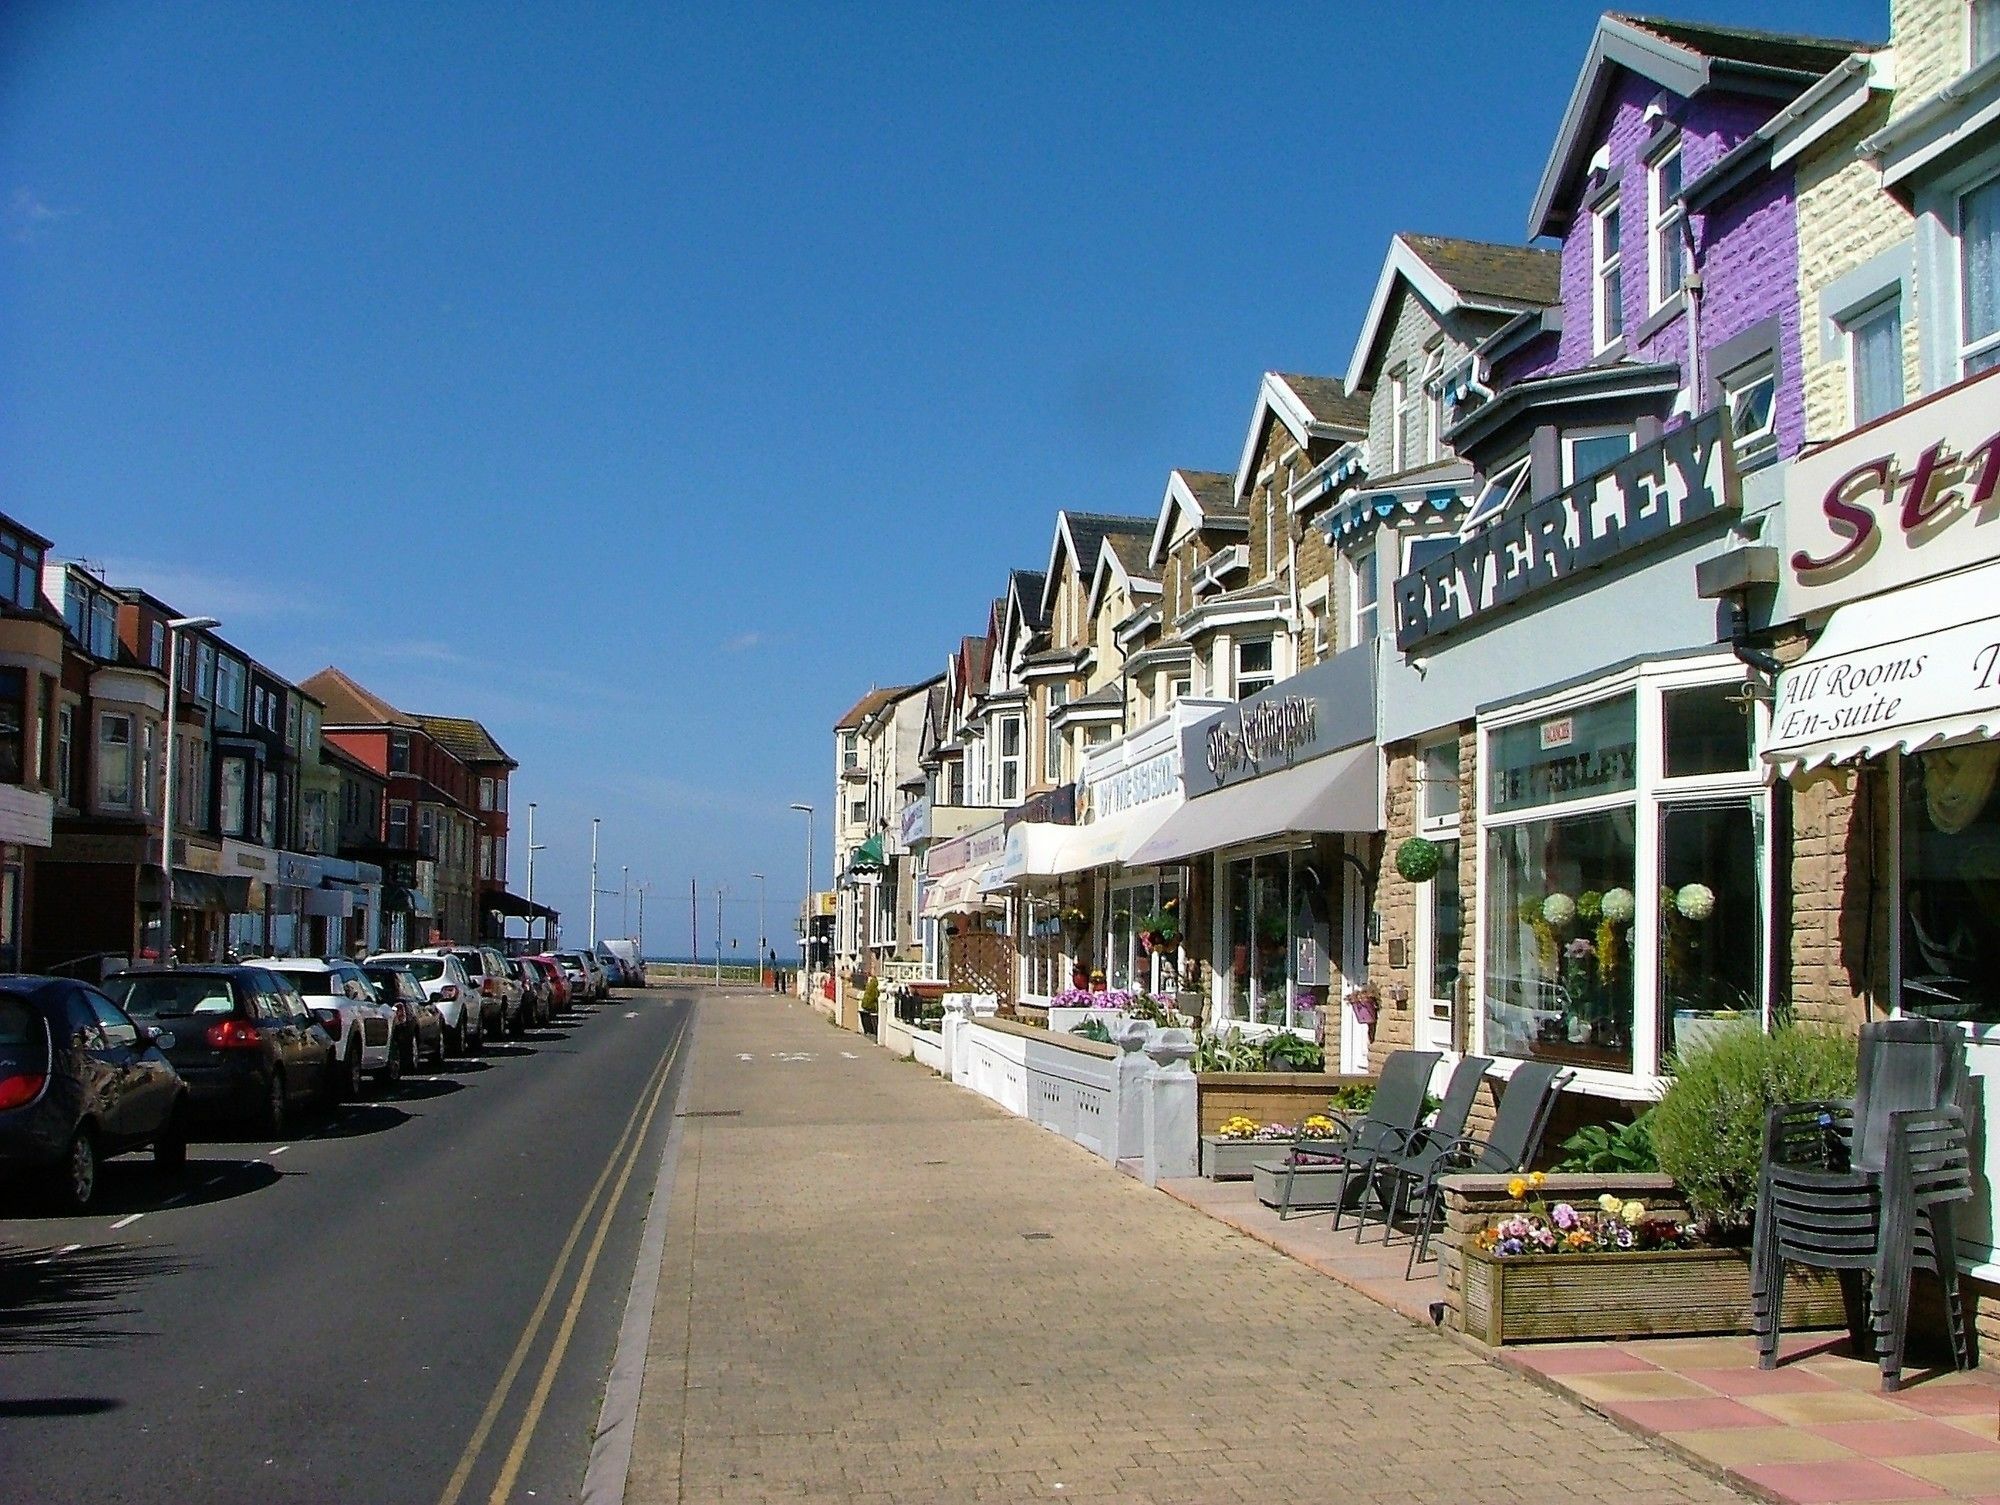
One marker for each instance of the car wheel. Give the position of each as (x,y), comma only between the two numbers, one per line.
(75,1180)
(277,1106)
(437,1059)
(170,1150)
(454,1042)
(353,1078)
(392,1070)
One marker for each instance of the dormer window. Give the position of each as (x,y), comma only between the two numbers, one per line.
(1608,274)
(1669,256)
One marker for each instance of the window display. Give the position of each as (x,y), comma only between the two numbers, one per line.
(1711,942)
(1276,939)
(1950,883)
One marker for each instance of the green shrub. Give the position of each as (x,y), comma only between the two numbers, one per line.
(1352,1097)
(1289,1052)
(1092,1029)
(1621,1149)
(871,997)
(1709,1126)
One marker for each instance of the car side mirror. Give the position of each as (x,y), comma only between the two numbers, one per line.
(159,1039)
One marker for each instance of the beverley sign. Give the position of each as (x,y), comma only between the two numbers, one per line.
(1674,482)
(1906,498)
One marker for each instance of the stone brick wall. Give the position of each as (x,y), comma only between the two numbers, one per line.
(1931,46)
(1268,1096)
(1844,219)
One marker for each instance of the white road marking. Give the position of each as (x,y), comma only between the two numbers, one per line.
(850,1055)
(633,1015)
(281,1149)
(793,1055)
(127,1221)
(213,1181)
(745,1056)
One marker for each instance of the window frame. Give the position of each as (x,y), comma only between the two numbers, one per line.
(105,721)
(1572,438)
(1762,443)
(1652,795)
(1852,324)
(1607,318)
(1437,1018)
(1666,216)
(1986,347)
(1269,674)
(1363,622)
(1399,406)
(1519,474)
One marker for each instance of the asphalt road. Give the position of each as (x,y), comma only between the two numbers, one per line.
(416,1300)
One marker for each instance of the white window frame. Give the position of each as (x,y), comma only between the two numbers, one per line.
(1314,604)
(1433,404)
(1666,218)
(1754,443)
(1399,423)
(1054,753)
(1012,768)
(1889,305)
(1363,622)
(1651,794)
(105,721)
(1435,1028)
(1507,484)
(1269,675)
(1986,347)
(1605,265)
(1574,437)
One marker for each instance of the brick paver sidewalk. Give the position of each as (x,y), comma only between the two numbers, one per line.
(880,1288)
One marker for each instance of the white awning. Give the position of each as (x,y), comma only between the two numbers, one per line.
(1032,850)
(1911,668)
(961,892)
(1111,841)
(1338,792)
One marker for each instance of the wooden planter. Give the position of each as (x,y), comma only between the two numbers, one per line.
(1662,1292)
(1235,1159)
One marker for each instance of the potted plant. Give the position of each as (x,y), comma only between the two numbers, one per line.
(1075,925)
(1366,1001)
(1161,930)
(1231,1153)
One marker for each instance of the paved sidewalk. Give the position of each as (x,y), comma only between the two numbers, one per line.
(878,1287)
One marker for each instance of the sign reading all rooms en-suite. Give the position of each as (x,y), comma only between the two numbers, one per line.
(1672,483)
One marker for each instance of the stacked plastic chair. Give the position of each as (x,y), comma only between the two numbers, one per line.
(1867,1188)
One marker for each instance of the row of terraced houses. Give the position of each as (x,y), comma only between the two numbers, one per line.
(1605,649)
(309,818)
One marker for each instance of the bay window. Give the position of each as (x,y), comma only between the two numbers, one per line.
(1270,925)
(1011,763)
(1254,667)
(114,761)
(1363,597)
(65,790)
(235,797)
(13,725)
(1052,768)
(1624,873)
(1134,905)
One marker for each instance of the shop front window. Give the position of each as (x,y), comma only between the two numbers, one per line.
(1267,917)
(1440,912)
(1711,943)
(1950,883)
(1136,913)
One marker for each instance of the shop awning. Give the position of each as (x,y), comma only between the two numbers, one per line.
(1032,850)
(1111,841)
(962,892)
(194,890)
(1333,793)
(512,905)
(867,857)
(1911,668)
(397,900)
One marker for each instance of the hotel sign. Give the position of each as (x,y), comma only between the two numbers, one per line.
(1154,778)
(1321,710)
(1673,483)
(1909,496)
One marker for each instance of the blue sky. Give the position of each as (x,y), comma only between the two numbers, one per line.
(651,381)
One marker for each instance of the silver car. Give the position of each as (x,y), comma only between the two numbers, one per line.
(446,983)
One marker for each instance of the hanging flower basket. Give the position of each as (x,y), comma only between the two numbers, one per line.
(1366,1003)
(1418,859)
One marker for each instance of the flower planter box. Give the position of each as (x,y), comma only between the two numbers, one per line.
(1315,1186)
(1661,1292)
(1235,1159)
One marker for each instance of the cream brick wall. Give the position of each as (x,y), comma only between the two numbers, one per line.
(1930,38)
(1844,219)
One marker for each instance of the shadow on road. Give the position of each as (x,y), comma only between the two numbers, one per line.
(420,1089)
(359,1119)
(57,1405)
(75,1300)
(128,1186)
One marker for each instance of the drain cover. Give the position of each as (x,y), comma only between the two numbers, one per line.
(1037,1235)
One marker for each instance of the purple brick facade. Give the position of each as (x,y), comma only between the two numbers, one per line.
(1747,251)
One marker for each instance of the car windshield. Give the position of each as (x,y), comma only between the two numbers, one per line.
(312,984)
(171,995)
(474,962)
(425,968)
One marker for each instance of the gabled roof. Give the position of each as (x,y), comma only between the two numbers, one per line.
(1080,535)
(1451,274)
(1029,588)
(1685,57)
(465,739)
(867,706)
(1202,495)
(1120,555)
(348,703)
(1310,407)
(335,756)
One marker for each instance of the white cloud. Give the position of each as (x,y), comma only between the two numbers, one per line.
(212,593)
(28,215)
(743,642)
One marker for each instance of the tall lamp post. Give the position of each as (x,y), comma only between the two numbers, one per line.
(534,847)
(595,821)
(175,628)
(760,926)
(640,890)
(718,935)
(625,903)
(806,926)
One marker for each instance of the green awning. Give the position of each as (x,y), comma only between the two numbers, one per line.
(868,856)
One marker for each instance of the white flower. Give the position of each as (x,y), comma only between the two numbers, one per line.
(1559,909)
(1696,901)
(1620,906)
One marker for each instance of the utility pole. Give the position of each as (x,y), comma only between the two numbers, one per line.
(718,935)
(760,925)
(594,823)
(625,903)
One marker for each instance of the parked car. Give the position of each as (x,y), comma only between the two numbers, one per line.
(419,1025)
(597,986)
(558,981)
(535,1006)
(343,999)
(499,992)
(447,984)
(621,958)
(577,975)
(81,1079)
(242,1039)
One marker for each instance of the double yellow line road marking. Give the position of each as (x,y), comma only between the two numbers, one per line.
(626,1150)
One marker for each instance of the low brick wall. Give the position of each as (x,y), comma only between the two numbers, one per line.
(1471,1203)
(1268,1096)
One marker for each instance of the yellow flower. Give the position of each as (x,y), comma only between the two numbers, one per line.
(1610,1203)
(1517,1188)
(1632,1213)
(1536,1178)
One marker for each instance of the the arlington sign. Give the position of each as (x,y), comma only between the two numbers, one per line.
(1319,710)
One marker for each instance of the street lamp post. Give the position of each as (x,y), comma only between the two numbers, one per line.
(594,823)
(760,926)
(625,903)
(640,890)
(805,928)
(534,847)
(174,630)
(718,935)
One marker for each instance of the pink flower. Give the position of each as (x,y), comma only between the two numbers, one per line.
(1564,1215)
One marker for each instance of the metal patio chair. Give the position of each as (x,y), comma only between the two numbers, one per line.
(1527,1103)
(1391,1119)
(1391,1167)
(1867,1188)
